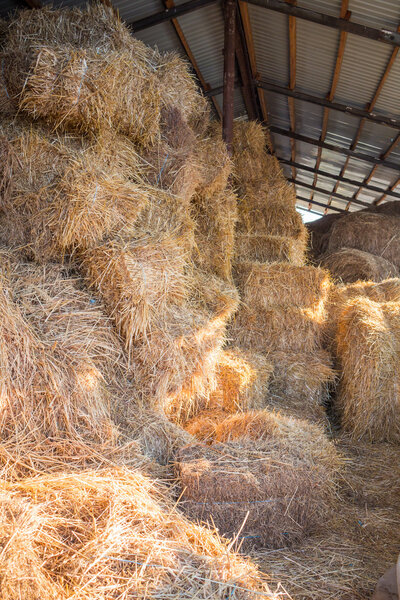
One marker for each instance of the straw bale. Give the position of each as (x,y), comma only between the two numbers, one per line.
(265,286)
(388,208)
(85,91)
(215,217)
(350,265)
(204,424)
(369,232)
(82,199)
(368,345)
(110,533)
(214,162)
(242,380)
(300,383)
(225,483)
(286,328)
(137,280)
(271,211)
(178,90)
(94,26)
(269,248)
(158,438)
(319,233)
(384,291)
(372,475)
(175,365)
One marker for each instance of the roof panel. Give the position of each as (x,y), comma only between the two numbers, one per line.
(388,100)
(270,35)
(316,57)
(162,36)
(381,14)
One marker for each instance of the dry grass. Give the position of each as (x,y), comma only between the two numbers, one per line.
(299,383)
(138,280)
(368,345)
(214,162)
(339,295)
(370,232)
(204,424)
(273,489)
(215,217)
(350,265)
(111,533)
(269,248)
(175,365)
(265,286)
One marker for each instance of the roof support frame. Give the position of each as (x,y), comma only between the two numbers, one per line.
(327,192)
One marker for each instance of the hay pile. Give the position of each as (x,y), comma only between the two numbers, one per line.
(367,346)
(239,485)
(108,532)
(349,265)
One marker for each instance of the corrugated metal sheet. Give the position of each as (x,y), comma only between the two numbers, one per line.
(315,60)
(270,34)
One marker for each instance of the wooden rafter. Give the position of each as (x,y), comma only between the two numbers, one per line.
(344,14)
(184,43)
(292,81)
(245,70)
(341,197)
(245,17)
(229,71)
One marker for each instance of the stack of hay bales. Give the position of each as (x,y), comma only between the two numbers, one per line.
(124,130)
(283,301)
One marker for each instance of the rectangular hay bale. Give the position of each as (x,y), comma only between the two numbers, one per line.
(269,248)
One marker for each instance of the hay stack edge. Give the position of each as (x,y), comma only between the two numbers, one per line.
(191,406)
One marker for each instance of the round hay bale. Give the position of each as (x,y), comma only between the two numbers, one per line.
(350,265)
(378,234)
(389,208)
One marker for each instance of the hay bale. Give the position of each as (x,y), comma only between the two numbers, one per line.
(339,295)
(215,217)
(84,91)
(388,208)
(269,248)
(374,233)
(300,383)
(265,286)
(319,232)
(175,365)
(367,346)
(204,424)
(225,483)
(350,265)
(85,196)
(215,164)
(242,380)
(138,281)
(88,533)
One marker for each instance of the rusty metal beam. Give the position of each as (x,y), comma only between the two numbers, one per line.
(319,204)
(340,197)
(229,71)
(344,14)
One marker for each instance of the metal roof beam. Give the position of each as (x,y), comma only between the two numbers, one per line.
(340,178)
(327,192)
(335,148)
(229,72)
(168,14)
(319,204)
(352,110)
(381,35)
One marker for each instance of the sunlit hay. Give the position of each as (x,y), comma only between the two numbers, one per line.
(95,26)
(349,265)
(178,90)
(215,163)
(342,563)
(370,232)
(159,438)
(138,280)
(306,440)
(176,364)
(368,346)
(203,425)
(267,493)
(215,217)
(300,383)
(265,286)
(91,534)
(339,295)
(269,248)
(242,381)
(49,393)
(86,91)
